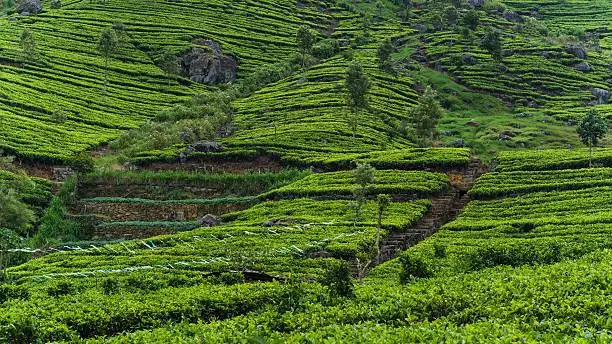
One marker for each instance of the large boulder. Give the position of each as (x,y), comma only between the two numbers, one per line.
(583,67)
(603,96)
(209,220)
(27,7)
(476,3)
(205,63)
(577,50)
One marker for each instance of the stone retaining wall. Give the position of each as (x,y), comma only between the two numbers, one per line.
(158,211)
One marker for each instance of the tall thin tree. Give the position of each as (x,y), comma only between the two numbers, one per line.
(592,129)
(108,44)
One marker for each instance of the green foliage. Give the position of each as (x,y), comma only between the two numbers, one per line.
(492,43)
(108,43)
(497,184)
(169,63)
(384,53)
(110,286)
(551,159)
(15,214)
(591,130)
(342,184)
(305,39)
(471,19)
(56,226)
(426,115)
(338,280)
(358,84)
(412,268)
(451,15)
(28,46)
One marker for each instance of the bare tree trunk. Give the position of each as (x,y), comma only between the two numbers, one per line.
(378,230)
(105,79)
(590,154)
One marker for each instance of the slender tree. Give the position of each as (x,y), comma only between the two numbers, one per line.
(384,53)
(451,15)
(492,43)
(358,85)
(28,46)
(108,44)
(121,32)
(305,40)
(426,115)
(471,20)
(383,202)
(592,129)
(364,175)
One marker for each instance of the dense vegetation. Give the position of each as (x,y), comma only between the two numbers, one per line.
(305,171)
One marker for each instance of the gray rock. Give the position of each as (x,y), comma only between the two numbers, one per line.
(603,96)
(476,3)
(273,223)
(583,67)
(209,220)
(469,59)
(421,28)
(458,143)
(60,174)
(577,50)
(206,63)
(27,7)
(420,56)
(514,17)
(205,147)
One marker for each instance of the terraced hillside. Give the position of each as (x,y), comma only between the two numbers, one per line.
(534,260)
(67,77)
(67,112)
(277,171)
(304,228)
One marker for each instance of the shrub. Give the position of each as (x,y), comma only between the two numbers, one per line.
(110,286)
(412,268)
(325,48)
(60,289)
(439,251)
(338,280)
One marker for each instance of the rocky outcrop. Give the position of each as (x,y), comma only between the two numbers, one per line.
(603,96)
(205,63)
(583,67)
(209,220)
(27,7)
(514,17)
(62,173)
(578,50)
(469,59)
(420,55)
(202,147)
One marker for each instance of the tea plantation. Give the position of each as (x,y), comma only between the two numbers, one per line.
(313,171)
